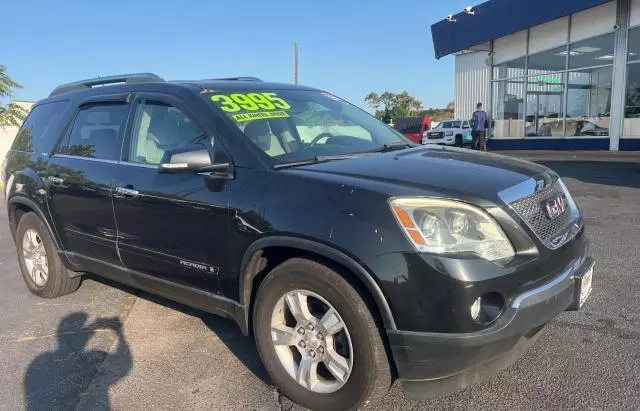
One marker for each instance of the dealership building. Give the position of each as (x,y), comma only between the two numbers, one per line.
(553,74)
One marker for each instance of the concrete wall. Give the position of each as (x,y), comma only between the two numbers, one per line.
(7,134)
(472,83)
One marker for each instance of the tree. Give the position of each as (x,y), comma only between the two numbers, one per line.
(389,106)
(10,114)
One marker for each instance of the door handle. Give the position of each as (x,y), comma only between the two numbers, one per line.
(56,181)
(127,192)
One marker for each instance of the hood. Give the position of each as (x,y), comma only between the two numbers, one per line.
(438,171)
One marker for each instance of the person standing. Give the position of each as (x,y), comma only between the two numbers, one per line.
(479,124)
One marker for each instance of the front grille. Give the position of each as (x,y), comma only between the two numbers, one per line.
(549,231)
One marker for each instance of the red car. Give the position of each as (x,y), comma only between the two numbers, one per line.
(412,127)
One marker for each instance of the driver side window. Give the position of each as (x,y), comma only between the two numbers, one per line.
(160,127)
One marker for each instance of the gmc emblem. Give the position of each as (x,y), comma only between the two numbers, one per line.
(556,206)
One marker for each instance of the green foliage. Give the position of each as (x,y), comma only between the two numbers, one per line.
(10,114)
(437,114)
(389,106)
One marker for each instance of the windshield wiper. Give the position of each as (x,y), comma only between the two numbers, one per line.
(316,160)
(400,145)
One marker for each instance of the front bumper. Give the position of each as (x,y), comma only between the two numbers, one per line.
(448,141)
(436,364)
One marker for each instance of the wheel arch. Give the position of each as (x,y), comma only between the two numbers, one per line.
(18,206)
(254,263)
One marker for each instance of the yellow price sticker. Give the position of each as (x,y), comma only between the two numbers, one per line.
(232,103)
(242,117)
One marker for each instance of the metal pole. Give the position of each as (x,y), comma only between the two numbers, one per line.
(296,52)
(618,87)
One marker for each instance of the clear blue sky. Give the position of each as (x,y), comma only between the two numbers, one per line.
(347,47)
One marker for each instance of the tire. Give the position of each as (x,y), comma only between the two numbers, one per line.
(370,375)
(57,282)
(459,142)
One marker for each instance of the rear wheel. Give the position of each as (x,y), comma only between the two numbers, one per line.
(458,141)
(41,268)
(317,338)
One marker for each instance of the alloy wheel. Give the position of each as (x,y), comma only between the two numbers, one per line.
(35,257)
(312,341)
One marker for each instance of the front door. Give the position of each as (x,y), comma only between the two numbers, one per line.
(80,175)
(172,227)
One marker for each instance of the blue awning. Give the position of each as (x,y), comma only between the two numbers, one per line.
(497,18)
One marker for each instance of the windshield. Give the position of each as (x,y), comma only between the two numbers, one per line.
(451,124)
(298,125)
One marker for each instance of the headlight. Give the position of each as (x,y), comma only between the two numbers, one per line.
(451,227)
(449,133)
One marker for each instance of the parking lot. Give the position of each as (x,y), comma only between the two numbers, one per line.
(108,346)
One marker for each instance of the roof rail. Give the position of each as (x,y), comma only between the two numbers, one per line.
(241,78)
(101,81)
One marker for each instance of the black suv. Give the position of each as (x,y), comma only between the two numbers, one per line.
(353,256)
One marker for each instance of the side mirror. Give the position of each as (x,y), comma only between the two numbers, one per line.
(193,157)
(465,126)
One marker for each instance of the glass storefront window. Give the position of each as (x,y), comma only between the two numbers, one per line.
(634,44)
(589,102)
(632,100)
(596,51)
(508,108)
(513,68)
(545,108)
(546,61)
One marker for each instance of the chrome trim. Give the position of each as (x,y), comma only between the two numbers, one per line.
(518,191)
(143,165)
(543,288)
(127,192)
(97,160)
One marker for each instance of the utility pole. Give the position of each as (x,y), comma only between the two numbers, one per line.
(296,58)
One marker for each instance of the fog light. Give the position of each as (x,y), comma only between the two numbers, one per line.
(475,309)
(487,309)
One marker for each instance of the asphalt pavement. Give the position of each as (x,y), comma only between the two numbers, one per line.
(109,346)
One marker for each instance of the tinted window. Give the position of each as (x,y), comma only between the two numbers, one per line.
(41,118)
(411,128)
(161,127)
(97,131)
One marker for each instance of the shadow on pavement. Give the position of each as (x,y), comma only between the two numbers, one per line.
(57,379)
(623,174)
(242,347)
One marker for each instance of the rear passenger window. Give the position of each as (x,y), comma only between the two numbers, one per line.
(39,121)
(97,132)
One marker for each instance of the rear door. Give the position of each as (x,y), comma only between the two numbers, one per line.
(171,227)
(80,176)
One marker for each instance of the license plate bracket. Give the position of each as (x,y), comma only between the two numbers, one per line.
(583,288)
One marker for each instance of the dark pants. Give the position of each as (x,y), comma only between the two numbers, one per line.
(478,142)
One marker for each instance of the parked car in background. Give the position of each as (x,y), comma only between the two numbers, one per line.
(555,128)
(412,127)
(451,133)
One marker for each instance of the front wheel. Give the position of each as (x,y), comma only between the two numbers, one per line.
(317,338)
(458,141)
